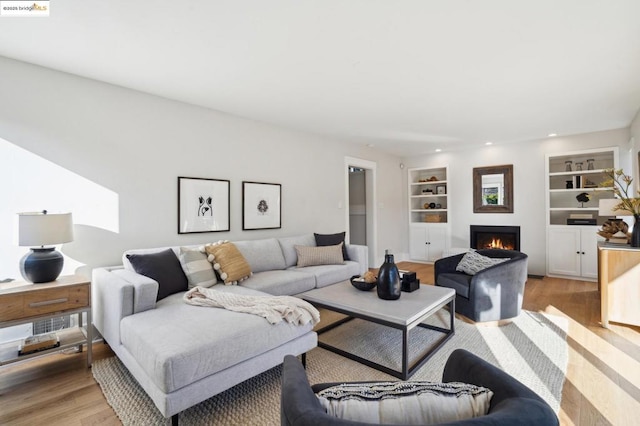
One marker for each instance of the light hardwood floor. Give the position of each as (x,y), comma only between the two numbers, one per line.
(602,385)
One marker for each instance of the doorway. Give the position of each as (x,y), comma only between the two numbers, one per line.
(360,202)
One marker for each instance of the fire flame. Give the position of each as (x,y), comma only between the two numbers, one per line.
(496,243)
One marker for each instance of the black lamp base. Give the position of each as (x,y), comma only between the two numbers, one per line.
(41,265)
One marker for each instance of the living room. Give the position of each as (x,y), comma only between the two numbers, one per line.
(110,151)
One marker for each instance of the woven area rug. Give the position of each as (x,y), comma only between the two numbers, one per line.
(532,348)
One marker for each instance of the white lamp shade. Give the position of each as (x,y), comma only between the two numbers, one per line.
(606,208)
(39,229)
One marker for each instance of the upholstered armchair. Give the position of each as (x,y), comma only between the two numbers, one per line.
(512,403)
(492,294)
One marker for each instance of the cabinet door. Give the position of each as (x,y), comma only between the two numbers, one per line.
(564,251)
(436,242)
(418,242)
(589,253)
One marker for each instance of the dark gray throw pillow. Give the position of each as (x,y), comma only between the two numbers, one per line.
(164,267)
(332,240)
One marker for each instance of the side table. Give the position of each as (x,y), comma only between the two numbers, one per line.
(23,302)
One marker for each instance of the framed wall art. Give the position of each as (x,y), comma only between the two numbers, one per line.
(261,207)
(203,205)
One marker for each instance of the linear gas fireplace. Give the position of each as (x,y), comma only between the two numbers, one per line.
(487,237)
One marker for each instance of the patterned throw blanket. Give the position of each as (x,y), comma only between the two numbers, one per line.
(273,308)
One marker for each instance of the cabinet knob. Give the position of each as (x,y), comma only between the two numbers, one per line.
(577,252)
(582,252)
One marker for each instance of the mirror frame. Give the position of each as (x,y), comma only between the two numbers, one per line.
(478,172)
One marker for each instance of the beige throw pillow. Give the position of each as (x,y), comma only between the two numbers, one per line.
(198,270)
(313,256)
(228,261)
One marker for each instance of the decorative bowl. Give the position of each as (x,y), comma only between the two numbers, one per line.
(358,282)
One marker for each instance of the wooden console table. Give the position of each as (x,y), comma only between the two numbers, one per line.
(619,284)
(22,302)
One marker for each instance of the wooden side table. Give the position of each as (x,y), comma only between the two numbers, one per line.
(22,302)
(619,284)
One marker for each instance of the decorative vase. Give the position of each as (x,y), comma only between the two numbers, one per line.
(635,234)
(388,279)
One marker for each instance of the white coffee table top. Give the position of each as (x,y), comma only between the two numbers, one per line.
(406,310)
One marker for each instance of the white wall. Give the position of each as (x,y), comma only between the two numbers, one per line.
(529,185)
(112,156)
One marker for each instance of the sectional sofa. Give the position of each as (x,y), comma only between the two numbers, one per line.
(183,354)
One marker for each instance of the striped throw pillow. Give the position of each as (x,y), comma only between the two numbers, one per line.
(197,268)
(313,256)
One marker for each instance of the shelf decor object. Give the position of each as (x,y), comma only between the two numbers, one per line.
(203,205)
(261,208)
(626,203)
(43,264)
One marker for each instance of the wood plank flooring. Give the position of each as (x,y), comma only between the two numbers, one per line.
(602,385)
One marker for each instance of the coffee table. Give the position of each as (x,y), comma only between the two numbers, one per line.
(405,313)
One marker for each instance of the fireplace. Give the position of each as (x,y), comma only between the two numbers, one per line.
(487,237)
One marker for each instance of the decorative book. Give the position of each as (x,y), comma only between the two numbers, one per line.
(38,343)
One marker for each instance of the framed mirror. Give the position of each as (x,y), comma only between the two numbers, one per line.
(493,189)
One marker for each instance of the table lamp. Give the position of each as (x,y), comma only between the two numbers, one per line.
(43,264)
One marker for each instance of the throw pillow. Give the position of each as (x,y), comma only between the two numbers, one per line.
(332,240)
(416,403)
(473,262)
(228,262)
(162,267)
(313,256)
(197,268)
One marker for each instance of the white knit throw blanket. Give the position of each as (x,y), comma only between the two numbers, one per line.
(273,308)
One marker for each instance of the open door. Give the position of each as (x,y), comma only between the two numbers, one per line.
(360,202)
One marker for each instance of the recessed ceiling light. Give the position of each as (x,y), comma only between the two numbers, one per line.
(488,143)
(438,150)
(552,135)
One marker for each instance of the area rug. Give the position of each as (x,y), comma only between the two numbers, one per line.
(532,348)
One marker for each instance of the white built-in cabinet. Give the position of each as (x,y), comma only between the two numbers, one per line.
(428,213)
(572,249)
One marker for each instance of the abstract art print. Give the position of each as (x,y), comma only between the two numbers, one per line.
(203,205)
(261,205)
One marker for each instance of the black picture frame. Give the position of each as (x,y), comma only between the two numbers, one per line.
(203,205)
(261,205)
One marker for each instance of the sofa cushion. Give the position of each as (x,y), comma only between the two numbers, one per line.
(281,283)
(332,240)
(288,247)
(473,262)
(203,340)
(331,274)
(163,267)
(418,403)
(458,281)
(262,255)
(228,261)
(312,256)
(196,267)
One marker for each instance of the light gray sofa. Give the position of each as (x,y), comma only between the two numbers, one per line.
(183,354)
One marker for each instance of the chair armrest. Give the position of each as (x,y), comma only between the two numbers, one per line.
(512,402)
(117,293)
(360,254)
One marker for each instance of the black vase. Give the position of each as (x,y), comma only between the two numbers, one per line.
(635,234)
(388,279)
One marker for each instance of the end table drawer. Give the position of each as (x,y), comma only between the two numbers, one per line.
(45,301)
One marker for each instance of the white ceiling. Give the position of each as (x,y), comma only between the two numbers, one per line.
(405,76)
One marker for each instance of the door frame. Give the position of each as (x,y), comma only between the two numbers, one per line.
(371,202)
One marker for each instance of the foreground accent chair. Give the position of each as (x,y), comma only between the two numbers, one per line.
(512,404)
(494,293)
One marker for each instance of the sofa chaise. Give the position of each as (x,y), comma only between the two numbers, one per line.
(183,354)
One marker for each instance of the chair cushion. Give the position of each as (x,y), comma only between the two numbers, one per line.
(288,247)
(473,262)
(419,403)
(262,255)
(456,280)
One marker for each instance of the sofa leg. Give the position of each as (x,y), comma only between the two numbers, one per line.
(174,420)
(304,360)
